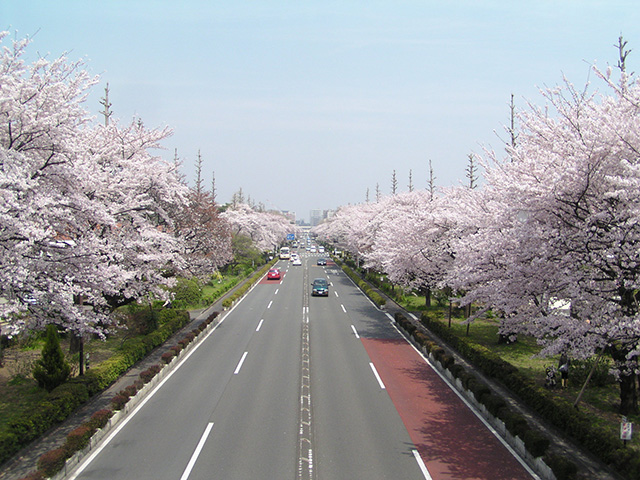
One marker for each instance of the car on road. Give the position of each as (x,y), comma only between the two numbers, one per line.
(320,287)
(274,274)
(297,262)
(322,261)
(313,249)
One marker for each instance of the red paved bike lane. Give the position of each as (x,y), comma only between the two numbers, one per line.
(452,441)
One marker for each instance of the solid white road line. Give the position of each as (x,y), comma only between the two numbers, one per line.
(421,464)
(355,332)
(259,325)
(240,363)
(375,372)
(196,453)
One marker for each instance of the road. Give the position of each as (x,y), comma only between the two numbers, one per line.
(291,386)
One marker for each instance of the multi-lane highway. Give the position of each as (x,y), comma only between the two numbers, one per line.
(291,386)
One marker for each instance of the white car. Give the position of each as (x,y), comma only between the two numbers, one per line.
(296,262)
(320,249)
(313,249)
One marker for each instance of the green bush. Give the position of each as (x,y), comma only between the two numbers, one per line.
(536,443)
(52,369)
(64,399)
(557,411)
(9,444)
(563,468)
(186,292)
(493,403)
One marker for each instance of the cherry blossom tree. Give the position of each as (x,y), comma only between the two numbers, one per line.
(266,229)
(557,228)
(84,223)
(206,235)
(413,242)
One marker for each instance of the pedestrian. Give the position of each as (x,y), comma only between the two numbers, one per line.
(563,367)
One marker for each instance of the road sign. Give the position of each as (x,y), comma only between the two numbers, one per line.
(291,237)
(626,429)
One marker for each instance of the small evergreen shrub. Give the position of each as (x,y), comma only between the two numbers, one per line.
(52,369)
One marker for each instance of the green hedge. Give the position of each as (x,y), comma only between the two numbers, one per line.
(53,461)
(66,398)
(240,291)
(559,412)
(365,287)
(536,443)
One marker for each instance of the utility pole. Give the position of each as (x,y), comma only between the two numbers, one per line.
(432,182)
(107,106)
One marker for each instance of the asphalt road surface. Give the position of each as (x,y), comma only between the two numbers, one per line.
(292,386)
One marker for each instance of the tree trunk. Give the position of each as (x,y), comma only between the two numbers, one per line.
(628,395)
(627,382)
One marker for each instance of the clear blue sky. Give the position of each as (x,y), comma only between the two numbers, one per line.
(305,105)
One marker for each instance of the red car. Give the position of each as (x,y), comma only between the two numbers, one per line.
(274,274)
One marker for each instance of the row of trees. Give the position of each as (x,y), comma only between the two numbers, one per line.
(550,243)
(90,219)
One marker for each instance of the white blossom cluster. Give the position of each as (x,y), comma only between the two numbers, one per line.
(89,218)
(551,242)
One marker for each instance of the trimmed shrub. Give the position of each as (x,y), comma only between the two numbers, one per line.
(493,403)
(129,391)
(168,356)
(515,423)
(100,418)
(78,439)
(536,443)
(150,372)
(563,468)
(52,461)
(119,401)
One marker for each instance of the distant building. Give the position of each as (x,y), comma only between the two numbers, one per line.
(317,216)
(291,216)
